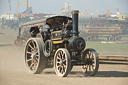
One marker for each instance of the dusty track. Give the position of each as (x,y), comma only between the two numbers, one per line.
(14,72)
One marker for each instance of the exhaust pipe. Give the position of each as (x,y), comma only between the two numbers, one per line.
(75,22)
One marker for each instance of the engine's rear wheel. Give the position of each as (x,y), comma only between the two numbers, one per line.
(92,63)
(34,56)
(62,62)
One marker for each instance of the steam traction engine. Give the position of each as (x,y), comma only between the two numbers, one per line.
(60,47)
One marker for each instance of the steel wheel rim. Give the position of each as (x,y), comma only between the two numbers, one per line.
(32,55)
(62,63)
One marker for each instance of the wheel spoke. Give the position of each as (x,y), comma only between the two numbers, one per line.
(29,59)
(31,65)
(87,56)
(33,44)
(89,68)
(93,61)
(58,64)
(63,58)
(93,56)
(86,68)
(59,67)
(31,47)
(64,61)
(62,70)
(64,66)
(37,55)
(89,53)
(61,54)
(36,59)
(93,67)
(29,52)
(58,57)
(34,66)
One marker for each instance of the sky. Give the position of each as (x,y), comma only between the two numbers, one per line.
(54,6)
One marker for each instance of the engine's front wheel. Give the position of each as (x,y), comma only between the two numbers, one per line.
(62,62)
(92,62)
(34,55)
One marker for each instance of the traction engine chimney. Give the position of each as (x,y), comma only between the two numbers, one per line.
(75,22)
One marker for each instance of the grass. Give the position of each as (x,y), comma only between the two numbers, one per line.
(109,48)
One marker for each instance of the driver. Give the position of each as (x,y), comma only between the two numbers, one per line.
(34,31)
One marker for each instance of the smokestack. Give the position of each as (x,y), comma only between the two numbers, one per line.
(75,22)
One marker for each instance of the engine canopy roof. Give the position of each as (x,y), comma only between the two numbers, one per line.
(57,21)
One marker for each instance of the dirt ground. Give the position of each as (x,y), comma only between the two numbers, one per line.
(14,72)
